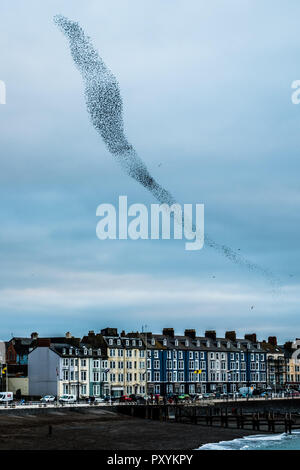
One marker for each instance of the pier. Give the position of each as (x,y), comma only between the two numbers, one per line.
(263,417)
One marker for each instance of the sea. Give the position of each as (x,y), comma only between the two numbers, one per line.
(259,442)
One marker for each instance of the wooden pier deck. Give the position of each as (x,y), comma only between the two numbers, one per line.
(226,417)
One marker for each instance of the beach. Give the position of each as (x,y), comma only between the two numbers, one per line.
(99,429)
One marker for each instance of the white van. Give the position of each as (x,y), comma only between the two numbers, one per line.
(67,398)
(6,396)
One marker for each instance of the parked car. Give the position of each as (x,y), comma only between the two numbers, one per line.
(99,400)
(109,399)
(139,399)
(197,396)
(48,398)
(184,397)
(68,398)
(125,399)
(206,396)
(6,396)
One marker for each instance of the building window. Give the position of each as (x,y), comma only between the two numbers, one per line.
(96,377)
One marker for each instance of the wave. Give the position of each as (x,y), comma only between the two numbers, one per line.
(259,441)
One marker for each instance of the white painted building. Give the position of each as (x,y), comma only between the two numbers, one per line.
(59,368)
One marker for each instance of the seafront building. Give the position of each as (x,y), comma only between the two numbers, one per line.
(66,365)
(194,364)
(276,364)
(126,361)
(110,363)
(292,356)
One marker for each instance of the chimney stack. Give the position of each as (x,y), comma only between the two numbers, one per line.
(288,345)
(190,333)
(34,335)
(251,337)
(109,332)
(68,335)
(211,334)
(272,340)
(231,335)
(168,332)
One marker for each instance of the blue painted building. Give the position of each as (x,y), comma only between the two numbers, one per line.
(192,364)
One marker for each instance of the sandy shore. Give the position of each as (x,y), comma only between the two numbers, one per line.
(104,430)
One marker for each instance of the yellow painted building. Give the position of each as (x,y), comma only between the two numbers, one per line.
(126,363)
(293,363)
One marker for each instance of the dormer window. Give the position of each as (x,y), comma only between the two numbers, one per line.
(70,351)
(165,342)
(186,342)
(118,342)
(64,351)
(258,345)
(76,352)
(99,352)
(153,342)
(228,344)
(208,343)
(218,344)
(127,342)
(133,342)
(110,342)
(176,342)
(198,343)
(239,345)
(140,343)
(85,351)
(248,345)
(90,352)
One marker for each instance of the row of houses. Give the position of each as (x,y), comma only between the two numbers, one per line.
(144,363)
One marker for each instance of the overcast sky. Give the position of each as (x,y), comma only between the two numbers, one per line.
(207,91)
